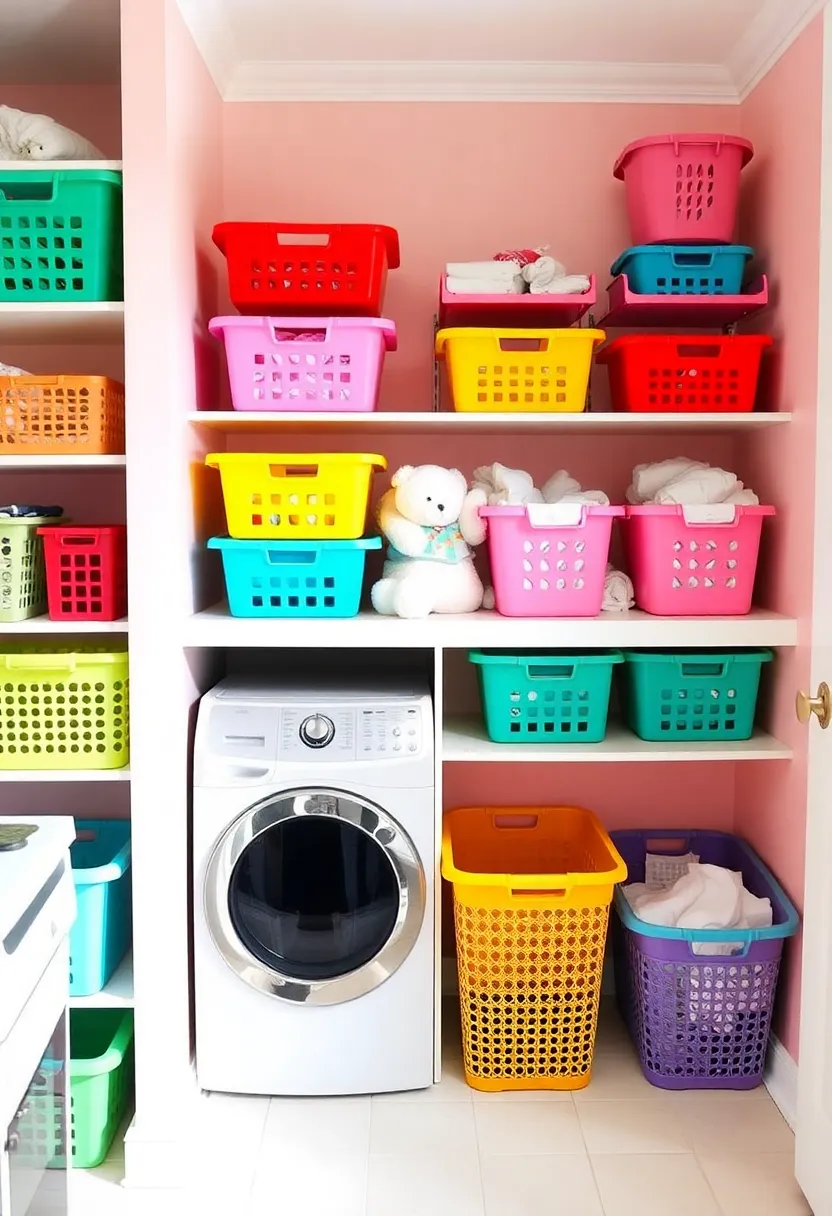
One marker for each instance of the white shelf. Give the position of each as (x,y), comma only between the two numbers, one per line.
(413,422)
(214,627)
(117,994)
(464,740)
(48,463)
(14,166)
(44,624)
(61,324)
(65,775)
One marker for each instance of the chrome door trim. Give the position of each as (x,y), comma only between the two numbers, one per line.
(368,818)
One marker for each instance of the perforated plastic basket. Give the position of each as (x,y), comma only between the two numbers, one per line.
(293,579)
(549,560)
(683,188)
(61,416)
(552,697)
(60,235)
(101,1080)
(684,270)
(700,1017)
(684,374)
(296,495)
(337,270)
(532,889)
(63,707)
(22,568)
(694,561)
(288,363)
(86,572)
(520,371)
(692,695)
(101,856)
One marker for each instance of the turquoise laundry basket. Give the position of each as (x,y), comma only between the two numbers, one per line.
(692,695)
(545,696)
(102,932)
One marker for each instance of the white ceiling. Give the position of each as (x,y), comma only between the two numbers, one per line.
(59,42)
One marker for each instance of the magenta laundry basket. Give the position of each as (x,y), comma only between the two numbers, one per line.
(698,1020)
(549,559)
(683,188)
(305,364)
(694,561)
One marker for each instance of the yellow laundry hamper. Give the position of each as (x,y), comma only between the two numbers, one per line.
(532,891)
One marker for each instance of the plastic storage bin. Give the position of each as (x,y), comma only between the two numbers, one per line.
(694,561)
(661,373)
(292,579)
(552,697)
(692,695)
(523,371)
(325,270)
(296,495)
(86,572)
(60,233)
(699,1018)
(683,188)
(286,363)
(684,270)
(63,707)
(61,416)
(101,1080)
(532,889)
(101,856)
(549,560)
(22,568)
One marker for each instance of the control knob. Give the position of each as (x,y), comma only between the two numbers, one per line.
(317,731)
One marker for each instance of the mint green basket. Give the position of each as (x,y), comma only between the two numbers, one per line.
(60,236)
(692,694)
(545,696)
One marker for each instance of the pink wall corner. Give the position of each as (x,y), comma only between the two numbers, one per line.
(781,219)
(93,110)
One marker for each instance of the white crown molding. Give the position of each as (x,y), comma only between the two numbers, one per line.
(769,36)
(473,81)
(210,27)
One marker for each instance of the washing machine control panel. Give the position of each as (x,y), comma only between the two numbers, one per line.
(391,732)
(361,732)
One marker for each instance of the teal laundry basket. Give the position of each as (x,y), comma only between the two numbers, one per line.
(691,694)
(102,932)
(545,696)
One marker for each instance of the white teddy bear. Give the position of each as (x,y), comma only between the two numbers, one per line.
(430,519)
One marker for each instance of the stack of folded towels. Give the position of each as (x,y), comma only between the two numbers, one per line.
(687,483)
(514,272)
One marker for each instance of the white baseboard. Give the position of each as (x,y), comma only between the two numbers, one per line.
(781,1080)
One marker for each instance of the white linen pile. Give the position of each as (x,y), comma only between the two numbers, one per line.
(505,487)
(514,272)
(687,483)
(485,278)
(26,136)
(546,276)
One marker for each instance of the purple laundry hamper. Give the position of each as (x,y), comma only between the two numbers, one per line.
(698,1021)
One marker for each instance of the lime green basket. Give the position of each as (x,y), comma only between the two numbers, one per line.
(22,569)
(63,707)
(101,1080)
(61,236)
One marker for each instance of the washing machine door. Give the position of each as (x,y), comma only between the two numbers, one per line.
(314,895)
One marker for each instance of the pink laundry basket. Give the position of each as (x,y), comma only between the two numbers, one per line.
(308,364)
(694,561)
(549,559)
(683,188)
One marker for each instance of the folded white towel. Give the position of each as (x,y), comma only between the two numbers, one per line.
(648,479)
(687,483)
(504,486)
(592,498)
(698,487)
(548,277)
(37,137)
(482,270)
(562,488)
(618,591)
(743,497)
(486,287)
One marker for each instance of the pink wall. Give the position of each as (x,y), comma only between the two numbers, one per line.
(93,110)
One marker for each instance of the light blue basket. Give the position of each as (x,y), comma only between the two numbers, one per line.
(293,578)
(684,270)
(103,929)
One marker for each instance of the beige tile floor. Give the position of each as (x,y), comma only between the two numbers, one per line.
(618,1148)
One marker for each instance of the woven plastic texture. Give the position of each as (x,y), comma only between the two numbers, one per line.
(60,236)
(296,496)
(22,569)
(286,579)
(518,370)
(63,708)
(691,694)
(552,697)
(61,416)
(287,363)
(86,572)
(684,270)
(102,872)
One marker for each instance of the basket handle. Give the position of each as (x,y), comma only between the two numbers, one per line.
(692,259)
(297,557)
(299,234)
(507,342)
(550,671)
(705,669)
(699,350)
(311,326)
(28,192)
(293,470)
(671,845)
(88,539)
(43,662)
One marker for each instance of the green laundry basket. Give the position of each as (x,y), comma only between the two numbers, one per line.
(60,236)
(101,1079)
(22,569)
(545,696)
(691,694)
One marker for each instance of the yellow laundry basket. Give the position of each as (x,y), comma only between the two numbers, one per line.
(523,371)
(296,495)
(532,892)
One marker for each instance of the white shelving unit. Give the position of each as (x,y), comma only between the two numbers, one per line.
(44,625)
(117,994)
(48,464)
(62,324)
(55,776)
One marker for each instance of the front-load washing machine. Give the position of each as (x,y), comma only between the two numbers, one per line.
(315,852)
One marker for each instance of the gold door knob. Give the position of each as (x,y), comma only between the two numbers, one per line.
(821,706)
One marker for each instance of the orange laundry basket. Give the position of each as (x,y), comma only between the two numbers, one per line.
(532,893)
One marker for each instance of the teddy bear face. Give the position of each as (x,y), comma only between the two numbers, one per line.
(429,494)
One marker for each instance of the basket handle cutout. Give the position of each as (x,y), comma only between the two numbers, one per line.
(298,557)
(296,329)
(293,470)
(703,669)
(693,259)
(541,671)
(22,192)
(79,540)
(302,238)
(668,844)
(699,350)
(515,821)
(556,892)
(529,344)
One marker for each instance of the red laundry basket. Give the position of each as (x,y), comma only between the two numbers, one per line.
(86,572)
(337,270)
